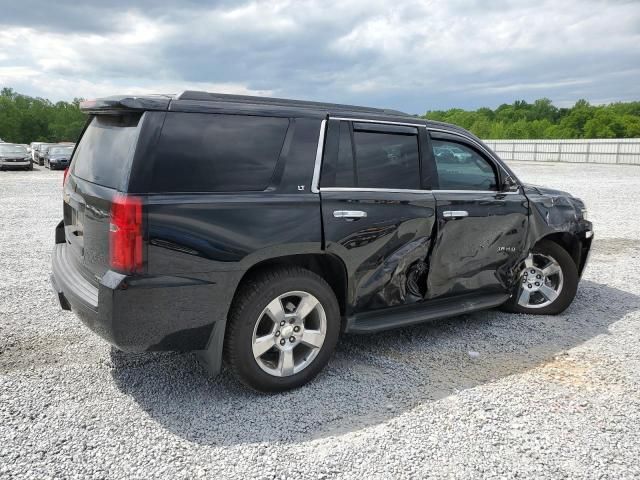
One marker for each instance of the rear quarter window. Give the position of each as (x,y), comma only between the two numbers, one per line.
(104,153)
(217,153)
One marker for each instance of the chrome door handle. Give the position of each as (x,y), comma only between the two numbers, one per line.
(349,214)
(455,214)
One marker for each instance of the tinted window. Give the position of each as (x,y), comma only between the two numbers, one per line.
(383,159)
(217,153)
(387,160)
(105,150)
(462,168)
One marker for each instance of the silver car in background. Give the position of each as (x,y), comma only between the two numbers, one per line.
(14,157)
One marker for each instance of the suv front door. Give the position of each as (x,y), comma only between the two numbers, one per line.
(481,229)
(378,211)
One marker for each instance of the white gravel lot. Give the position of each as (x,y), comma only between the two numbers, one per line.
(545,397)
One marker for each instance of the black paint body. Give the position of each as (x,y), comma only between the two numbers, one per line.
(401,264)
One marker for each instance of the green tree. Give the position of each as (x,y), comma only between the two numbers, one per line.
(25,119)
(604,124)
(542,119)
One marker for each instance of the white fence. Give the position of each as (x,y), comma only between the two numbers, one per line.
(621,151)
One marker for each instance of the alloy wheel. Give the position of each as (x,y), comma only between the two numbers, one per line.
(289,333)
(541,281)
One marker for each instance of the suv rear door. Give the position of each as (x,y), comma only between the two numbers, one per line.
(99,170)
(378,213)
(481,229)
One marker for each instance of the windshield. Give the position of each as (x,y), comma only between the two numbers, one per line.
(13,150)
(61,150)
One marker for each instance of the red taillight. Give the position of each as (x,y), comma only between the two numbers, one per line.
(125,234)
(64,176)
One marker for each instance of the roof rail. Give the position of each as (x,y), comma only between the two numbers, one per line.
(255,100)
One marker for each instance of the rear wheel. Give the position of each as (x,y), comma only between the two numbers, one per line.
(547,281)
(283,328)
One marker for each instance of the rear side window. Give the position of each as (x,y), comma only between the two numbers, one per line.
(375,156)
(217,153)
(104,153)
(387,160)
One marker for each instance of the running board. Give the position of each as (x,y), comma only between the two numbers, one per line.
(404,316)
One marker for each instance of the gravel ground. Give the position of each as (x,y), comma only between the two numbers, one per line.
(484,395)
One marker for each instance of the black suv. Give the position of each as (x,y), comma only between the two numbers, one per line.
(259,229)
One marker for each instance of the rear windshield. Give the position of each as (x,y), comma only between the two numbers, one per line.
(217,153)
(104,153)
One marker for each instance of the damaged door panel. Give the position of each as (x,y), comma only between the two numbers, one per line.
(376,216)
(481,230)
(385,253)
(480,251)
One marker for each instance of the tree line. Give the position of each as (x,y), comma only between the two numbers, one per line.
(25,119)
(543,120)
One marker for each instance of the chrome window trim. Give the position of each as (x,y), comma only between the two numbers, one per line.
(493,192)
(319,152)
(408,190)
(382,122)
(385,190)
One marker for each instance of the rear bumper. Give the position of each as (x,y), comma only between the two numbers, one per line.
(141,313)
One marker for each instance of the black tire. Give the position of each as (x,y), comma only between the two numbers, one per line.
(569,287)
(254,295)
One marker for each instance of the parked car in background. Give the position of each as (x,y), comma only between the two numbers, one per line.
(34,147)
(260,229)
(14,157)
(40,151)
(58,156)
(451,154)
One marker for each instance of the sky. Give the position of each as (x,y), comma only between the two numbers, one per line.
(403,54)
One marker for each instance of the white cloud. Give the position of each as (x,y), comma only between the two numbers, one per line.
(411,55)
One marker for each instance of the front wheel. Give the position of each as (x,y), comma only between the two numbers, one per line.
(283,328)
(547,281)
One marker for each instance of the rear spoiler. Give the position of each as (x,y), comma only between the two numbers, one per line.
(118,103)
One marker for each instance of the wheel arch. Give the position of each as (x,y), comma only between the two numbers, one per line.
(325,265)
(569,241)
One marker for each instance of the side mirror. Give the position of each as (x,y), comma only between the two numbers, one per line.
(509,184)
